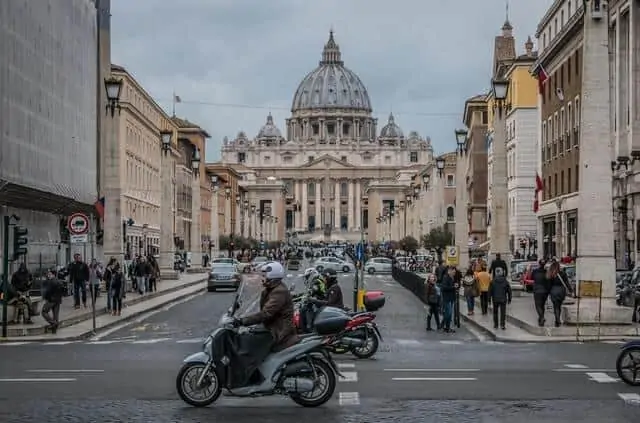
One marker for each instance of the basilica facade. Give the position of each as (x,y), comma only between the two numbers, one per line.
(331,172)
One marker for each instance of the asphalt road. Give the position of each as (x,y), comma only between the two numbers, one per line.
(417,376)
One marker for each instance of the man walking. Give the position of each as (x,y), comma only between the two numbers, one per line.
(500,293)
(79,277)
(448,289)
(53,293)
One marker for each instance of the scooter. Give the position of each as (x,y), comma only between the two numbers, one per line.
(628,363)
(305,371)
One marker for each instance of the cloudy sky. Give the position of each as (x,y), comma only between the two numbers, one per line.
(233,61)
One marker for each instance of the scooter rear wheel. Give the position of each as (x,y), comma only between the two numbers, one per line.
(324,371)
(186,385)
(370,348)
(633,356)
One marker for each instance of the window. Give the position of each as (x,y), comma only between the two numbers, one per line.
(315,128)
(343,159)
(485,118)
(451,214)
(577,62)
(331,129)
(310,159)
(287,159)
(576,113)
(242,157)
(387,159)
(344,189)
(311,189)
(562,182)
(569,185)
(413,157)
(345,129)
(450,181)
(577,177)
(569,64)
(267,158)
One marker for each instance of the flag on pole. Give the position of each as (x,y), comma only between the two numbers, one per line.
(99,205)
(539,188)
(176,99)
(542,76)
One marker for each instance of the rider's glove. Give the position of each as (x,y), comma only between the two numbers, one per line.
(236,323)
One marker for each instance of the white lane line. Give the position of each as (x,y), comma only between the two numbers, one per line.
(630,399)
(576,366)
(584,370)
(407,342)
(61,342)
(349,398)
(434,379)
(601,377)
(102,342)
(190,341)
(349,377)
(65,371)
(452,342)
(151,341)
(14,344)
(346,365)
(433,370)
(38,380)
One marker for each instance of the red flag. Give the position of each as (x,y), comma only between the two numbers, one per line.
(536,205)
(99,205)
(539,188)
(542,76)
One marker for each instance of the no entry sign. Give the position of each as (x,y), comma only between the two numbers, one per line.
(78,224)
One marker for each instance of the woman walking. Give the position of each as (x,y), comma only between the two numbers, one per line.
(471,290)
(117,289)
(559,288)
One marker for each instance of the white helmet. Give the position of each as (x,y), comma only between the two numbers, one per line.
(273,270)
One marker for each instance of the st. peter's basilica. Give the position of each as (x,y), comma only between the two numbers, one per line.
(331,172)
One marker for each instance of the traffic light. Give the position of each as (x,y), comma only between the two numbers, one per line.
(20,241)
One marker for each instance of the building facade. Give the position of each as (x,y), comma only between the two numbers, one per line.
(560,36)
(437,201)
(476,119)
(48,141)
(331,152)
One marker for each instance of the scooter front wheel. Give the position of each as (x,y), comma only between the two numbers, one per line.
(187,385)
(368,350)
(630,365)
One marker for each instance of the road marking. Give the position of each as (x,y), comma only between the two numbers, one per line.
(25,379)
(13,344)
(348,398)
(433,370)
(346,365)
(349,377)
(452,342)
(407,342)
(583,370)
(434,379)
(576,366)
(601,377)
(150,341)
(65,371)
(190,341)
(630,399)
(101,342)
(61,343)
(614,342)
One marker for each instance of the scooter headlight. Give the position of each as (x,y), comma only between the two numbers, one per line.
(208,345)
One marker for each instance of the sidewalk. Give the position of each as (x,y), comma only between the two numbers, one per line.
(75,324)
(522,326)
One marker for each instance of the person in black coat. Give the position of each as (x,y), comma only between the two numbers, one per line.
(54,291)
(500,294)
(541,290)
(559,288)
(448,288)
(498,263)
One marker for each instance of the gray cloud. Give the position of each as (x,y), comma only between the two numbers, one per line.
(419,58)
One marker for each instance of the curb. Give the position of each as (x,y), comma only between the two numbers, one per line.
(88,316)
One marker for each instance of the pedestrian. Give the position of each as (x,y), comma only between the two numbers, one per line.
(471,290)
(541,288)
(54,291)
(21,282)
(117,289)
(500,294)
(141,273)
(79,276)
(484,281)
(448,288)
(433,297)
(558,289)
(107,276)
(154,273)
(95,276)
(498,263)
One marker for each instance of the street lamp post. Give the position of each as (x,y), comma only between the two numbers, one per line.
(167,245)
(499,190)
(113,233)
(462,224)
(196,241)
(215,216)
(252,224)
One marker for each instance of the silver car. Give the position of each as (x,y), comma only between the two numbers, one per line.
(223,276)
(378,265)
(333,263)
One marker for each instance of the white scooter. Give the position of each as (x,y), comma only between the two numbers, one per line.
(305,372)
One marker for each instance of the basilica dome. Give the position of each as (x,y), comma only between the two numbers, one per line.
(269,129)
(331,85)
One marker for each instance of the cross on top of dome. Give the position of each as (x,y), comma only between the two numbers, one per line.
(331,52)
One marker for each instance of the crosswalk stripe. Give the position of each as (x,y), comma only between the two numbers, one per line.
(189,341)
(151,341)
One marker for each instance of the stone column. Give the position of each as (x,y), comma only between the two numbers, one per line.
(318,204)
(339,130)
(356,129)
(236,227)
(336,206)
(461,224)
(595,241)
(304,204)
(358,199)
(167,246)
(351,213)
(215,223)
(227,215)
(499,191)
(196,238)
(322,130)
(113,240)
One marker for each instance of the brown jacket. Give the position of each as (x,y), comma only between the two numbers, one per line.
(276,314)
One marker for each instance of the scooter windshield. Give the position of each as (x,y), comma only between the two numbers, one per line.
(250,296)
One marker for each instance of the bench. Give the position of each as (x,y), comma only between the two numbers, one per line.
(35,308)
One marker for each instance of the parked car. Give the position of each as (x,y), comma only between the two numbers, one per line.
(242,267)
(570,270)
(518,269)
(378,265)
(333,263)
(293,264)
(258,261)
(223,276)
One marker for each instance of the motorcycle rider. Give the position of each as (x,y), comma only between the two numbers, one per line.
(276,308)
(333,297)
(316,283)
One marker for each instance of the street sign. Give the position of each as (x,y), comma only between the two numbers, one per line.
(590,289)
(79,239)
(78,224)
(359,251)
(451,255)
